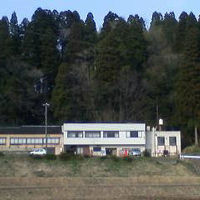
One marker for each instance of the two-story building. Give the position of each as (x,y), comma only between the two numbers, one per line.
(103,138)
(95,139)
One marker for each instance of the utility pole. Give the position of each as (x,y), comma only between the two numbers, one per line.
(46,105)
(157,116)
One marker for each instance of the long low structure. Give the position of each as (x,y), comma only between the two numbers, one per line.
(25,138)
(93,139)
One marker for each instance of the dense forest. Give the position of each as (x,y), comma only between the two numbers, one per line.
(123,72)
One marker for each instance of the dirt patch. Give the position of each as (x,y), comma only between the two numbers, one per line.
(23,178)
(100,188)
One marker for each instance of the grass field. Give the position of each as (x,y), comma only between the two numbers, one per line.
(24,178)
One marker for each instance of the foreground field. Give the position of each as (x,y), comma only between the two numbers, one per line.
(93,178)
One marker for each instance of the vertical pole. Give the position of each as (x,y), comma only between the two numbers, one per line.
(46,124)
(157,116)
(196,136)
(45,114)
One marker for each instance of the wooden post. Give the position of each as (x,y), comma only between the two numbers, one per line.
(196,135)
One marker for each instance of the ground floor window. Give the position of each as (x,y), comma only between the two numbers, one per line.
(53,140)
(96,149)
(18,141)
(161,141)
(34,141)
(172,141)
(2,141)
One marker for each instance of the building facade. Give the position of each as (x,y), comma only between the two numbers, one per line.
(160,143)
(25,138)
(99,139)
(93,139)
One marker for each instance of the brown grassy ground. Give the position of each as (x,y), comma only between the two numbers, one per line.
(23,178)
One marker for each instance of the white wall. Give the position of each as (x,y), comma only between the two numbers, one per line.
(123,129)
(152,144)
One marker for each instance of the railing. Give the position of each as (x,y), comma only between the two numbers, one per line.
(189,157)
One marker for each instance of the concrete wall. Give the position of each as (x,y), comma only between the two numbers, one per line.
(123,129)
(156,150)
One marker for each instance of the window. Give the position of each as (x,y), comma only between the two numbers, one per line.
(96,149)
(2,141)
(17,141)
(161,141)
(134,134)
(172,141)
(34,141)
(30,141)
(92,134)
(53,140)
(74,134)
(111,134)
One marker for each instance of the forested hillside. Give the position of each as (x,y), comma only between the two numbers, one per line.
(122,72)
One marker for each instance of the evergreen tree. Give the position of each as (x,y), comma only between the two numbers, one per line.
(156,20)
(188,85)
(17,94)
(23,27)
(40,49)
(90,29)
(123,46)
(68,95)
(170,27)
(15,35)
(181,31)
(4,38)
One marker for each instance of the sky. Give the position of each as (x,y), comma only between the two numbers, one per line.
(99,8)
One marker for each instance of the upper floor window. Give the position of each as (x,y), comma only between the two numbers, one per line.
(134,134)
(74,134)
(172,141)
(161,141)
(111,134)
(92,134)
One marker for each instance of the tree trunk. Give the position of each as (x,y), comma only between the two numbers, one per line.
(196,135)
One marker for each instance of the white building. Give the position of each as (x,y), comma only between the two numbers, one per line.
(159,143)
(103,138)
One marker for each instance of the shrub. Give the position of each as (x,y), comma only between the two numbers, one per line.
(103,157)
(128,159)
(50,157)
(146,153)
(66,156)
(86,156)
(78,157)
(1,154)
(192,149)
(36,157)
(115,158)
